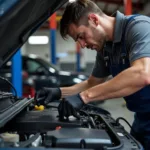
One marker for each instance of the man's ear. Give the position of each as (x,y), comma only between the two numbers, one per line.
(93,19)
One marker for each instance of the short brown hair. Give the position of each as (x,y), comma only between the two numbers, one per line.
(74,12)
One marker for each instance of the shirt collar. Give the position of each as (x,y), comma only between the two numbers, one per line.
(120,18)
(119,24)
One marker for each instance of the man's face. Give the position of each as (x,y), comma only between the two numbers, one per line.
(91,36)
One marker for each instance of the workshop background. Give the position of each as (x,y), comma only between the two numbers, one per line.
(47,44)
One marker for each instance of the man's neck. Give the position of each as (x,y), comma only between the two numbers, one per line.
(109,26)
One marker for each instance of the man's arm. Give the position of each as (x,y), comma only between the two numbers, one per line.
(77,88)
(134,78)
(99,75)
(126,83)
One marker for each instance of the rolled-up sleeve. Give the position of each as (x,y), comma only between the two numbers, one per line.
(138,39)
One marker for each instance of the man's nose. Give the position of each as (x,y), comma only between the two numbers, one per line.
(82,43)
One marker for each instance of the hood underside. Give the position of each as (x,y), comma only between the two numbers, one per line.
(19,19)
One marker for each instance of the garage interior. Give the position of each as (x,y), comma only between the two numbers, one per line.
(68,56)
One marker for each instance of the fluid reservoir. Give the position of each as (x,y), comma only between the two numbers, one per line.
(10,137)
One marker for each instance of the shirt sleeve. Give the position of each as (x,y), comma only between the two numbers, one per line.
(100,70)
(138,39)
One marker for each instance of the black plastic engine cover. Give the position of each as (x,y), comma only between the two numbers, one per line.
(78,138)
(41,121)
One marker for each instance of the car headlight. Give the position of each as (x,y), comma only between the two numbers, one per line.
(83,77)
(76,80)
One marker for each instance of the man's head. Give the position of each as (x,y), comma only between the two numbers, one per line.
(82,20)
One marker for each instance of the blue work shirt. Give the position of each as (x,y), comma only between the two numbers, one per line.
(137,40)
(134,37)
(131,42)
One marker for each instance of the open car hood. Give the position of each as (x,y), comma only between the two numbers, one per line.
(19,19)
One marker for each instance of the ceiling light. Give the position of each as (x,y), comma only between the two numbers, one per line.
(71,1)
(38,40)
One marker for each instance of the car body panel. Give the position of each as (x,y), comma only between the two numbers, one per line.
(21,20)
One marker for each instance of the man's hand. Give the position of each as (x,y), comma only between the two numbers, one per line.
(46,95)
(69,106)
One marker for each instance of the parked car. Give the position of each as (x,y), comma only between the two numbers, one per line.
(5,82)
(42,74)
(40,70)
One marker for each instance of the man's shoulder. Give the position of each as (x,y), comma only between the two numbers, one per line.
(137,37)
(137,19)
(142,17)
(137,24)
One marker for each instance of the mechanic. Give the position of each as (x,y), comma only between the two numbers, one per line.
(123,50)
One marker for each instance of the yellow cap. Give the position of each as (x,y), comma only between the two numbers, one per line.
(41,107)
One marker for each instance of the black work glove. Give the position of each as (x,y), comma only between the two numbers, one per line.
(46,95)
(70,106)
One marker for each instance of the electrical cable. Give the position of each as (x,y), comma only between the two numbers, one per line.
(92,121)
(2,78)
(121,118)
(82,111)
(89,117)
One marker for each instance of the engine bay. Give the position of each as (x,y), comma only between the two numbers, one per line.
(96,129)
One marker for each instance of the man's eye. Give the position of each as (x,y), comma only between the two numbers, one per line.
(81,37)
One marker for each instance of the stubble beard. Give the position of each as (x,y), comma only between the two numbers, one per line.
(101,46)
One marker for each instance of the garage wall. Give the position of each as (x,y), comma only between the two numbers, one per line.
(146,10)
(63,47)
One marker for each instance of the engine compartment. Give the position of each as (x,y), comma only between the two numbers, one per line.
(95,129)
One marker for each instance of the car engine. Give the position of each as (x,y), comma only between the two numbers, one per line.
(24,127)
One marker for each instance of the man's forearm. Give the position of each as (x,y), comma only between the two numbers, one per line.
(77,88)
(67,91)
(124,84)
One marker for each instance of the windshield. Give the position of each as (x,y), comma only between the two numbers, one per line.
(46,63)
(5,5)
